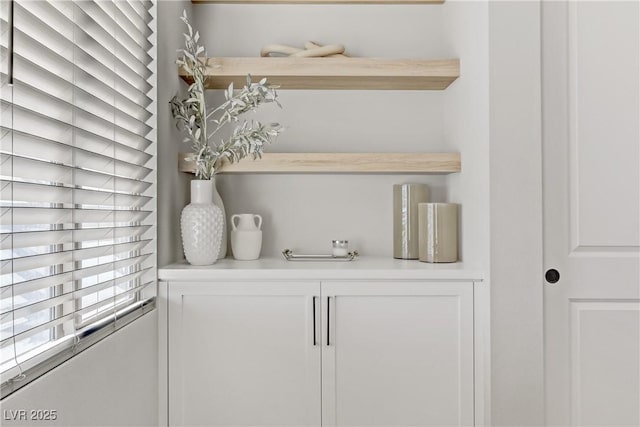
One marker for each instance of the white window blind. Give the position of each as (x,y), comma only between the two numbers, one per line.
(77,202)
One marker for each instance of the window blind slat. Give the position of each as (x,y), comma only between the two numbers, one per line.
(38,171)
(44,21)
(60,164)
(31,99)
(67,293)
(6,92)
(83,234)
(96,312)
(44,80)
(131,86)
(122,281)
(44,282)
(126,23)
(35,124)
(45,196)
(89,266)
(125,265)
(105,164)
(98,144)
(104,47)
(34,291)
(4,12)
(137,16)
(61,283)
(88,295)
(59,13)
(35,195)
(40,21)
(34,267)
(110,16)
(46,242)
(30,310)
(34,240)
(142,9)
(41,172)
(90,218)
(37,148)
(6,114)
(24,336)
(39,243)
(6,167)
(103,14)
(92,180)
(101,302)
(63,63)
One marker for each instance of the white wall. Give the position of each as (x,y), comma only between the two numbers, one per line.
(112,383)
(516,214)
(173,186)
(466,122)
(304,212)
(466,130)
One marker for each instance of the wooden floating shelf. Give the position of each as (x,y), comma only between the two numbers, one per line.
(365,163)
(333,73)
(322,1)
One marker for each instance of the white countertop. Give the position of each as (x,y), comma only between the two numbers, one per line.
(362,268)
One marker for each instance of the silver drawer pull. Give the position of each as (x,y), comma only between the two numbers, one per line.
(315,341)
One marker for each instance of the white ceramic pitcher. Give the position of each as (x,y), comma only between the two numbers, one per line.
(246,236)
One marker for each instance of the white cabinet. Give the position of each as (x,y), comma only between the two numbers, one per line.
(242,354)
(331,353)
(397,354)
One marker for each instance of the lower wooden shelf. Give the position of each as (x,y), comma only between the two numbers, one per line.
(364,163)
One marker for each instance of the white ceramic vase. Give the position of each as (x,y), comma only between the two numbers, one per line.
(217,200)
(246,236)
(201,224)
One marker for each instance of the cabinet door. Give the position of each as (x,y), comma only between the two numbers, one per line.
(243,354)
(397,354)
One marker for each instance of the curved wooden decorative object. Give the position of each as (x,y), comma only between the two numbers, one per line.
(311,50)
(313,45)
(282,49)
(321,51)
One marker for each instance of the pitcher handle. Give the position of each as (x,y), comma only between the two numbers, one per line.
(259,221)
(233,221)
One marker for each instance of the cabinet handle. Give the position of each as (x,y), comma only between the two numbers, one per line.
(10,45)
(328,321)
(315,341)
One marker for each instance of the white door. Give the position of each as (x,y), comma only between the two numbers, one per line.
(397,354)
(244,354)
(591,155)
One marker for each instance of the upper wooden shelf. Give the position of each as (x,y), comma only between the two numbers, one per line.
(323,1)
(334,73)
(400,163)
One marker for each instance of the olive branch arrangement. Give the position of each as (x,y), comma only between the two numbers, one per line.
(192,117)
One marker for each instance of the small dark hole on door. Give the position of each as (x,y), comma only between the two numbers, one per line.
(552,275)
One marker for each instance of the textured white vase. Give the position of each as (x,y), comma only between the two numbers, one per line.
(217,200)
(201,224)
